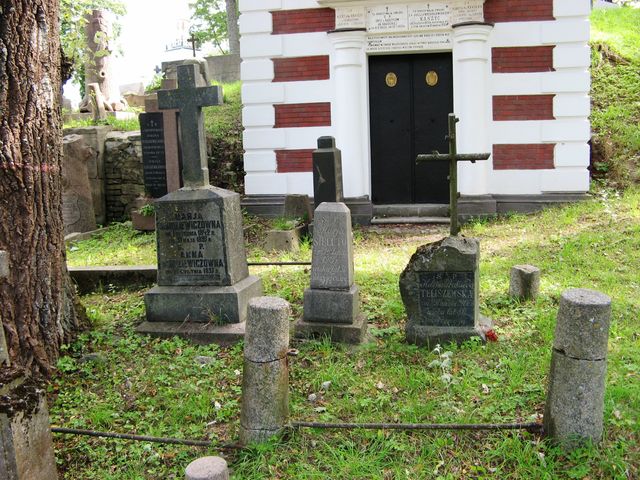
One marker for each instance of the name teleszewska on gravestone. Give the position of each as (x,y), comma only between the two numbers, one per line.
(203,279)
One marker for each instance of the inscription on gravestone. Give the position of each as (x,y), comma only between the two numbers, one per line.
(446,298)
(191,244)
(154,162)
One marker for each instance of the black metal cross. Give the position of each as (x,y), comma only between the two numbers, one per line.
(192,40)
(189,100)
(453,157)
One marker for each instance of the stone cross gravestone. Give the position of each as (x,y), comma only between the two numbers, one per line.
(203,279)
(77,201)
(332,304)
(327,172)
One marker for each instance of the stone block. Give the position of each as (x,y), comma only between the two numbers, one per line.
(298,206)
(206,304)
(524,282)
(331,306)
(327,172)
(198,333)
(353,333)
(283,240)
(77,201)
(267,334)
(207,468)
(582,327)
(574,405)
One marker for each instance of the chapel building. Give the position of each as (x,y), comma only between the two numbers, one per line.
(382,76)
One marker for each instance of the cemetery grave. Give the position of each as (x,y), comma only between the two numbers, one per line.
(173,388)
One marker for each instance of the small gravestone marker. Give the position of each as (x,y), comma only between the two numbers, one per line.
(203,279)
(154,163)
(440,285)
(77,203)
(327,172)
(524,282)
(332,304)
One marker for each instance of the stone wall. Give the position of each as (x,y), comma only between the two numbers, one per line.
(123,169)
(222,68)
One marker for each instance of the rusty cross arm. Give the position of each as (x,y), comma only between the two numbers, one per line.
(453,157)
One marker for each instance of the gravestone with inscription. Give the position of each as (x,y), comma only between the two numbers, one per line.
(439,288)
(77,203)
(327,172)
(154,163)
(332,304)
(204,284)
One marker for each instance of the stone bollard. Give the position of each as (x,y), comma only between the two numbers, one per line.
(265,381)
(524,282)
(575,397)
(207,468)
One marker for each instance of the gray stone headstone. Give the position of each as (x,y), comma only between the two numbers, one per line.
(332,304)
(207,468)
(439,288)
(77,201)
(524,282)
(327,172)
(574,408)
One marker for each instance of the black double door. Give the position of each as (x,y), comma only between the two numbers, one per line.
(410,97)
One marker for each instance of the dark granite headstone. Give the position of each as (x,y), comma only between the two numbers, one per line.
(327,172)
(439,288)
(154,164)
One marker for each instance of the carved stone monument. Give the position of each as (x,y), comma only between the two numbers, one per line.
(77,202)
(332,304)
(203,279)
(327,172)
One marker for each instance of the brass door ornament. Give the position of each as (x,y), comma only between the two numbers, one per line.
(391,79)
(431,78)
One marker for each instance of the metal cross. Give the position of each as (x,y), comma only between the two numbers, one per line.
(189,100)
(453,157)
(192,40)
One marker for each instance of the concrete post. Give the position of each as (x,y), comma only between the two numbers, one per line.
(265,382)
(207,468)
(524,282)
(575,398)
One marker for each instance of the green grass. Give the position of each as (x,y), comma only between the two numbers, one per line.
(121,124)
(156,387)
(224,118)
(615,94)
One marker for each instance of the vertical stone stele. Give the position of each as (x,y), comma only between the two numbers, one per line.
(574,406)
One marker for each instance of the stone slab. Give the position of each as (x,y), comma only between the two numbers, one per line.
(89,279)
(283,240)
(198,333)
(354,333)
(204,304)
(430,336)
(199,238)
(331,306)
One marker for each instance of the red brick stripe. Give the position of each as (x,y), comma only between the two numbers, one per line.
(295,69)
(527,156)
(303,21)
(523,107)
(294,160)
(522,59)
(303,115)
(518,10)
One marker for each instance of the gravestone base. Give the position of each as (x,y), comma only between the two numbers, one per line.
(332,306)
(198,333)
(352,334)
(430,335)
(202,304)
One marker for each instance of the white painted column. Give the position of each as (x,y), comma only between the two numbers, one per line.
(348,69)
(471,99)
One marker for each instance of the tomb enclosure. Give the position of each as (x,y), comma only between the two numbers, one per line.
(381,77)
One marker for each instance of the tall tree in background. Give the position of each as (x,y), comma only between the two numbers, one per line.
(37,309)
(214,24)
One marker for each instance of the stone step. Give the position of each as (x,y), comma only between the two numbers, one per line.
(411,210)
(413,220)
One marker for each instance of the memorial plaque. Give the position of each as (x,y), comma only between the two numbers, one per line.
(351,17)
(407,42)
(446,298)
(191,248)
(154,163)
(467,11)
(387,18)
(426,16)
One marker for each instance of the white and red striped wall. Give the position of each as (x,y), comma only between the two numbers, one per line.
(521,88)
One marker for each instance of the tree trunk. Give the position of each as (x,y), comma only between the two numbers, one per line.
(37,301)
(232,27)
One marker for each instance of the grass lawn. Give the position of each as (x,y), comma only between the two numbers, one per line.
(159,387)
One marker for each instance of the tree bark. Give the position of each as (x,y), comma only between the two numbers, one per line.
(232,27)
(37,301)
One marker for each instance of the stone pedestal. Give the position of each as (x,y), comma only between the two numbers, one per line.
(332,304)
(524,282)
(204,284)
(26,449)
(439,288)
